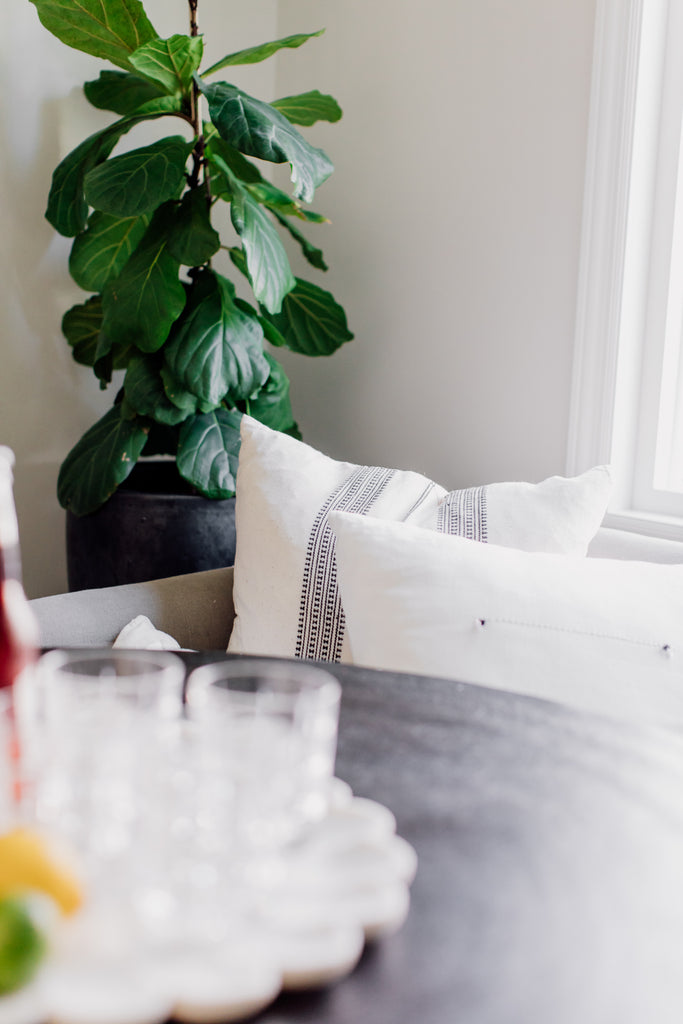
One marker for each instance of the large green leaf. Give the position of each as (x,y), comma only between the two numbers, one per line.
(139,181)
(255,54)
(221,156)
(208,452)
(270,333)
(81,326)
(115,355)
(103,249)
(269,271)
(178,394)
(120,91)
(311,322)
(272,405)
(308,107)
(145,392)
(191,238)
(112,29)
(171,62)
(110,356)
(67,209)
(175,104)
(258,130)
(141,304)
(278,201)
(161,105)
(239,260)
(100,461)
(215,349)
(311,252)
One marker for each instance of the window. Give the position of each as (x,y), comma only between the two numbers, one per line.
(627,397)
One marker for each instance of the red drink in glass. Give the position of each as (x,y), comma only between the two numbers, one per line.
(18,632)
(18,628)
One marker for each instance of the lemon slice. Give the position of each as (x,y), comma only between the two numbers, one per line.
(27,864)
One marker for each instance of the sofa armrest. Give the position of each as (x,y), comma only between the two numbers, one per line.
(196,609)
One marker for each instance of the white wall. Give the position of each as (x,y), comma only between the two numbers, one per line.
(456,209)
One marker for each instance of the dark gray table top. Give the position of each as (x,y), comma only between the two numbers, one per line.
(550,843)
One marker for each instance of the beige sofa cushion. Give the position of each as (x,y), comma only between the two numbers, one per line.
(196,609)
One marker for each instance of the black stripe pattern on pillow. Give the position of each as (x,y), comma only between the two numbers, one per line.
(463,514)
(321,627)
(320,632)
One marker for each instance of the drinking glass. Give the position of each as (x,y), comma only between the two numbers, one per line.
(271,728)
(248,765)
(107,721)
(81,683)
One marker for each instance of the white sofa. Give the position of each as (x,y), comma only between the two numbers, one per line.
(197,609)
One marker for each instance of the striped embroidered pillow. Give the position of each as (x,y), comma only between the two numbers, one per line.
(286,596)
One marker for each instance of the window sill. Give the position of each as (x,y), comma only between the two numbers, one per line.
(646,524)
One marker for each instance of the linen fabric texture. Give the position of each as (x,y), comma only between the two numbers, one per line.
(286,597)
(601,635)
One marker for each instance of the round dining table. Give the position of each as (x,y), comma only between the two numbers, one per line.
(549,887)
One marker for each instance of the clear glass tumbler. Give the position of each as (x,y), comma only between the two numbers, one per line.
(273,728)
(107,720)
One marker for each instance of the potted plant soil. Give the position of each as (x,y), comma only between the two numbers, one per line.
(187,353)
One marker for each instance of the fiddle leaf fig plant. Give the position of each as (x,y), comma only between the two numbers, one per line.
(163,306)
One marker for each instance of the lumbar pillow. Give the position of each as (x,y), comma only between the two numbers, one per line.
(285,592)
(599,634)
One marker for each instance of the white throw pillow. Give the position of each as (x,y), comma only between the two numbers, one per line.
(142,635)
(599,634)
(285,593)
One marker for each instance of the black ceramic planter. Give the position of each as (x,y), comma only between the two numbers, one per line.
(144,532)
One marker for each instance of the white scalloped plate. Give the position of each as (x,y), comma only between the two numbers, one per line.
(347,883)
(312,957)
(208,991)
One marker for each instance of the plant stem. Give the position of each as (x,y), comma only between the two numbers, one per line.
(194,111)
(198,160)
(193,17)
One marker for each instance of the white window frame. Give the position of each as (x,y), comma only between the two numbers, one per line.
(609,422)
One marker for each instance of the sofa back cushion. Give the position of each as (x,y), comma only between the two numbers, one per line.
(603,635)
(196,609)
